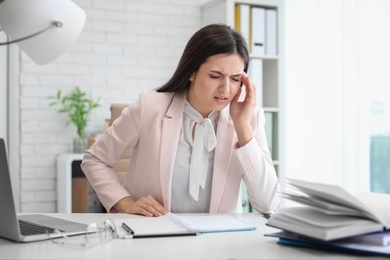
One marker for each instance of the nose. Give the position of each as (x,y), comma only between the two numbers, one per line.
(224,87)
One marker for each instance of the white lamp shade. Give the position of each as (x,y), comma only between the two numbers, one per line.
(21,18)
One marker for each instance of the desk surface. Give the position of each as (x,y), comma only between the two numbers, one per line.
(228,245)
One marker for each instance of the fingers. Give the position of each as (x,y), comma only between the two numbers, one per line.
(237,96)
(151,207)
(249,87)
(147,206)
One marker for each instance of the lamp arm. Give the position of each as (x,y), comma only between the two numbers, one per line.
(53,24)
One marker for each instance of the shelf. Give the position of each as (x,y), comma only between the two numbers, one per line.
(264,57)
(271,109)
(264,69)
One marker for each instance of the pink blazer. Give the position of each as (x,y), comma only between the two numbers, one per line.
(151,127)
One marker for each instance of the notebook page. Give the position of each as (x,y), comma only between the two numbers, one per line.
(149,225)
(213,223)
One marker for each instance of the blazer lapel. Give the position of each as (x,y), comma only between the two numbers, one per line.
(223,153)
(169,140)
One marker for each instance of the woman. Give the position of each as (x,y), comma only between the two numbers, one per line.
(193,140)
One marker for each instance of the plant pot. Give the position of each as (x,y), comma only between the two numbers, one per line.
(79,145)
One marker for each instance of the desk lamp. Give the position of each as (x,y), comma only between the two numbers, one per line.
(43,29)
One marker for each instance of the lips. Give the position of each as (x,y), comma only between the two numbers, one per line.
(220,100)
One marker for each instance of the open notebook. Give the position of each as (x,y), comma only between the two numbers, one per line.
(34,226)
(180,224)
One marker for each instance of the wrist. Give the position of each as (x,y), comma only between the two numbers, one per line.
(244,134)
(124,205)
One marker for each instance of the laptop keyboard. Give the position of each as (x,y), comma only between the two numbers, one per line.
(28,228)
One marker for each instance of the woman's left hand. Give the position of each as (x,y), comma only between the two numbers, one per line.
(241,112)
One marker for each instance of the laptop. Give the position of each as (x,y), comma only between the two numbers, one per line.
(23,228)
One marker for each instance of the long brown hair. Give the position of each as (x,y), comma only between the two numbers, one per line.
(210,40)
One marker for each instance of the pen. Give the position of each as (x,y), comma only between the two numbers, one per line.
(128,229)
(166,235)
(131,232)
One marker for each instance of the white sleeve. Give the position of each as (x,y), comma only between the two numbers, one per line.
(258,170)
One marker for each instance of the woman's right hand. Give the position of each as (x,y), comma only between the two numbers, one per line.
(146,206)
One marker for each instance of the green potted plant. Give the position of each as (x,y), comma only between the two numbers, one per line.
(78,107)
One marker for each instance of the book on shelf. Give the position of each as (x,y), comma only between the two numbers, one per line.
(328,212)
(270,32)
(255,72)
(242,19)
(179,224)
(257,31)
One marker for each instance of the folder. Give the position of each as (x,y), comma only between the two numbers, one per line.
(255,72)
(270,32)
(344,245)
(257,31)
(242,20)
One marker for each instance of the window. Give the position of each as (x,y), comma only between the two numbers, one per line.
(375,76)
(337,93)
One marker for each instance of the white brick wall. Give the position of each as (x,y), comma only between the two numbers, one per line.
(126,46)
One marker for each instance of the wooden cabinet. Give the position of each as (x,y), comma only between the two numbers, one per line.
(74,193)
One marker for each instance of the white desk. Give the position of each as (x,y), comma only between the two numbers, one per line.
(213,246)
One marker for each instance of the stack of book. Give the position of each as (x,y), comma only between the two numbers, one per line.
(329,217)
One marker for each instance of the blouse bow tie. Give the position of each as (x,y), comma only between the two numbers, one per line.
(204,142)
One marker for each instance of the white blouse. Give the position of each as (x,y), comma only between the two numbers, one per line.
(193,170)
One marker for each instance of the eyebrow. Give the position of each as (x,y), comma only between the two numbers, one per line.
(218,72)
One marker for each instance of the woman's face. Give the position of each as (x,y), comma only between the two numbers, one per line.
(216,82)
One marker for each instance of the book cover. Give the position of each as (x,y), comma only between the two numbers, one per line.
(345,245)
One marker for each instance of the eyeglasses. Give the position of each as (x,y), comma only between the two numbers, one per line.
(94,236)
